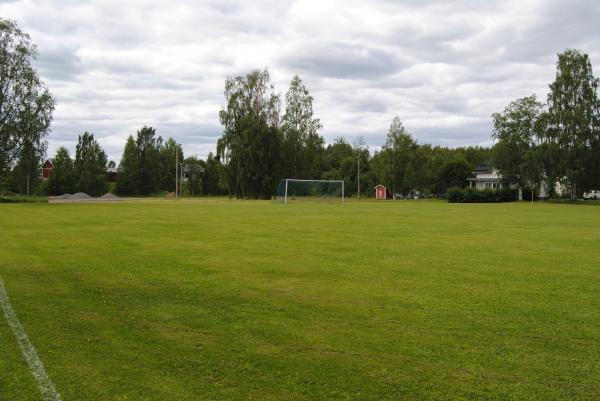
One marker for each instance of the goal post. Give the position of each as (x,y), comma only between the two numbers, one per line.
(292,190)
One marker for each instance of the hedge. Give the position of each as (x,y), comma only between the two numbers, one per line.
(471,195)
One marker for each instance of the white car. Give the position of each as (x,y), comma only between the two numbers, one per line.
(592,195)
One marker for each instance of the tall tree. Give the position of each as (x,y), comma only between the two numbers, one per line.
(339,159)
(573,120)
(454,174)
(128,176)
(250,148)
(90,166)
(25,175)
(362,179)
(170,152)
(61,179)
(26,105)
(193,169)
(398,154)
(301,141)
(518,132)
(148,151)
(210,177)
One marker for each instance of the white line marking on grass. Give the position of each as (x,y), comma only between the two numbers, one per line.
(46,386)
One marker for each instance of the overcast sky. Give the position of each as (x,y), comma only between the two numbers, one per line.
(443,66)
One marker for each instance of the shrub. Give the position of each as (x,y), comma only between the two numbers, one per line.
(471,195)
(455,195)
(22,199)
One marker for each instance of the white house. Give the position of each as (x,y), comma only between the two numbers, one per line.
(485,177)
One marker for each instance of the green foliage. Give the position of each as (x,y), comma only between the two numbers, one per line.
(574,121)
(402,163)
(148,153)
(340,162)
(194,170)
(454,173)
(26,105)
(472,195)
(147,165)
(26,174)
(250,148)
(90,166)
(455,195)
(302,146)
(518,130)
(62,178)
(23,199)
(127,178)
(398,154)
(210,178)
(170,152)
(561,144)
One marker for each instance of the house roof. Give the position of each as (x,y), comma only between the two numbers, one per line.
(490,179)
(483,168)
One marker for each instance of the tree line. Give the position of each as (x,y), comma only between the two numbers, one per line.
(558,142)
(267,137)
(535,144)
(259,147)
(147,167)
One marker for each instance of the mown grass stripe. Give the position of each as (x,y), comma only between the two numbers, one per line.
(36,366)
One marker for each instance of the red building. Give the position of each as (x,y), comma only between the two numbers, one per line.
(47,167)
(381,192)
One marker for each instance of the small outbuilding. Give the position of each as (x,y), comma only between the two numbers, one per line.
(380,192)
(47,167)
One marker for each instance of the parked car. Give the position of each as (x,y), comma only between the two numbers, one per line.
(592,195)
(413,194)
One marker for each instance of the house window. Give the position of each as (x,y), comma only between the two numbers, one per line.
(487,185)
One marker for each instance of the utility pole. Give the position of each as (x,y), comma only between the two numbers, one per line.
(176,175)
(358,179)
(181,180)
(359,145)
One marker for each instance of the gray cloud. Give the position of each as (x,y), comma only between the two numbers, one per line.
(340,60)
(442,66)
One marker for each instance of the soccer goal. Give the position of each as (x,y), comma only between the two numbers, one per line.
(290,190)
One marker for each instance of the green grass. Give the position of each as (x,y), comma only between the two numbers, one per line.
(226,300)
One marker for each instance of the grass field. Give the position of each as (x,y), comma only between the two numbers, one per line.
(226,300)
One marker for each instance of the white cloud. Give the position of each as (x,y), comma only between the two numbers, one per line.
(443,67)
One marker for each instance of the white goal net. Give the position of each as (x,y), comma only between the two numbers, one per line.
(291,190)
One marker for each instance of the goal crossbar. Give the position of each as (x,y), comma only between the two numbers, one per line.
(307,191)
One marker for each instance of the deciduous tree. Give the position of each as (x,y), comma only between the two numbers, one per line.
(250,147)
(90,166)
(573,120)
(26,105)
(518,130)
(61,179)
(302,145)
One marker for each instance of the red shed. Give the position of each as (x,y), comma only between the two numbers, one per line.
(380,192)
(47,169)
